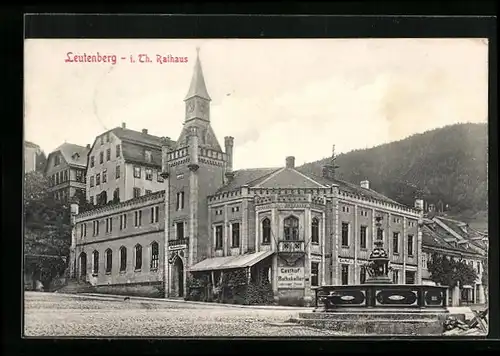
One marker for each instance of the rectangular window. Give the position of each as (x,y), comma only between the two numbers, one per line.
(98,179)
(79,175)
(236,235)
(180,201)
(57,160)
(345,274)
(395,243)
(380,234)
(81,230)
(147,156)
(362,237)
(137,172)
(109,225)
(105,176)
(410,245)
(92,161)
(117,174)
(138,218)
(410,277)
(123,221)
(84,229)
(149,174)
(154,214)
(91,200)
(91,181)
(159,178)
(179,230)
(314,274)
(137,192)
(108,154)
(345,234)
(101,157)
(96,228)
(118,150)
(362,275)
(395,276)
(218,237)
(66,176)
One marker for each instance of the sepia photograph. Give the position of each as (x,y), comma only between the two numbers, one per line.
(255,187)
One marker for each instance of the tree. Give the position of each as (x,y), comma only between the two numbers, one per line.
(448,271)
(80,199)
(47,226)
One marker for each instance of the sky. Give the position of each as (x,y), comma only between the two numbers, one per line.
(276,97)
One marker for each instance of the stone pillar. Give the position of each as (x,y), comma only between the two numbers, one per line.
(481,298)
(335,238)
(244,221)
(72,251)
(455,296)
(193,198)
(307,260)
(405,248)
(419,253)
(225,237)
(323,249)
(356,245)
(275,277)
(257,232)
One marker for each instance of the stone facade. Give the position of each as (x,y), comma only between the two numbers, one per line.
(317,230)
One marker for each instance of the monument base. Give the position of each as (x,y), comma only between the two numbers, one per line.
(378,322)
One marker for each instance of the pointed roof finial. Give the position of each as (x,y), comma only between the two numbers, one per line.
(198,87)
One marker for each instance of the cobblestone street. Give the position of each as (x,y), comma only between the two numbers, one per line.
(48,314)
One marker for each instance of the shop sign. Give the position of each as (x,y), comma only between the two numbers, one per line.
(291,277)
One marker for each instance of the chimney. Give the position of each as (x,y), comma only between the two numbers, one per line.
(290,162)
(419,204)
(124,126)
(88,146)
(365,184)
(145,131)
(229,144)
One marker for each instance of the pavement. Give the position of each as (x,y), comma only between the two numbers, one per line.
(99,316)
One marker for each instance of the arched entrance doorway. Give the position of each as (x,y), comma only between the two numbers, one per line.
(83,265)
(178,277)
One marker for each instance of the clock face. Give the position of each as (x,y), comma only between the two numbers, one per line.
(190,106)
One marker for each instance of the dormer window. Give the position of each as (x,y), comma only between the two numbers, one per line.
(57,160)
(75,156)
(147,155)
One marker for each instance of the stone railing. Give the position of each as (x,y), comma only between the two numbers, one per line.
(178,242)
(291,246)
(386,296)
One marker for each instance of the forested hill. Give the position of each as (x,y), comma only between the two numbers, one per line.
(447,165)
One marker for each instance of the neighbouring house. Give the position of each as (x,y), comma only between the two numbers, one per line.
(455,239)
(31,153)
(124,164)
(65,169)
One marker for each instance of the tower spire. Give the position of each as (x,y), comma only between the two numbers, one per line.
(197,87)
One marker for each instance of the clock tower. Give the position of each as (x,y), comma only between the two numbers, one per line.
(197,99)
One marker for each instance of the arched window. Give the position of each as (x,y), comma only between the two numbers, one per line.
(109,260)
(123,258)
(266,231)
(155,255)
(291,228)
(95,260)
(83,264)
(138,257)
(315,230)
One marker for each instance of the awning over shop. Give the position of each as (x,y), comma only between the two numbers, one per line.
(230,262)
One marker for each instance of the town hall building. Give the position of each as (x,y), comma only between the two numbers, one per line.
(201,216)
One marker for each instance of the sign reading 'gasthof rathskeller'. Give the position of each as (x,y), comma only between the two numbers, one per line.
(291,277)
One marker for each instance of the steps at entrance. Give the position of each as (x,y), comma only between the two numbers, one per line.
(74,286)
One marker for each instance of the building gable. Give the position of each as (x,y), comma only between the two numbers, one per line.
(289,178)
